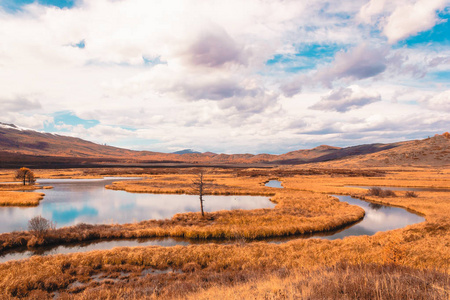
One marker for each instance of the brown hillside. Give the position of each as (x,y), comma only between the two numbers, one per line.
(434,151)
(21,146)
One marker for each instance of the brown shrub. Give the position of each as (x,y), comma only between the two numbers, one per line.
(379,192)
(39,226)
(411,194)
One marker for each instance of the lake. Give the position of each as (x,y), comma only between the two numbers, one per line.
(74,201)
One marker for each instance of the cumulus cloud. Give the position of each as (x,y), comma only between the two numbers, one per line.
(358,63)
(345,99)
(19,104)
(99,133)
(401,19)
(35,121)
(371,9)
(439,61)
(439,102)
(214,48)
(412,18)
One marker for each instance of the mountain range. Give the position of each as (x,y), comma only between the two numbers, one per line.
(19,146)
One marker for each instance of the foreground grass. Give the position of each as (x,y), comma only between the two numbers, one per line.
(198,268)
(341,281)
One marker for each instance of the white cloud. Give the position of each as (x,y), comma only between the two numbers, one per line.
(439,102)
(361,62)
(412,18)
(19,103)
(345,99)
(371,9)
(403,18)
(35,121)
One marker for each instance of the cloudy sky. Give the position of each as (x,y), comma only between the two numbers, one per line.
(229,76)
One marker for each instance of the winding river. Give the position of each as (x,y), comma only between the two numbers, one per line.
(74,201)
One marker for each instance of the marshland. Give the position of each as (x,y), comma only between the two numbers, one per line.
(236,257)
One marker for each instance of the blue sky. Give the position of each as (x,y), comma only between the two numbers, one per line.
(13,6)
(229,77)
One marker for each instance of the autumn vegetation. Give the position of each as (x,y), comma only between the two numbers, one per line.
(20,198)
(12,194)
(25,175)
(408,263)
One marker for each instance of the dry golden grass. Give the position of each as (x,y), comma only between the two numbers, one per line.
(253,270)
(12,194)
(57,272)
(342,281)
(20,198)
(18,187)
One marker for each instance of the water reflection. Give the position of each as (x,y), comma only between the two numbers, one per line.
(73,201)
(378,218)
(88,246)
(274,184)
(376,206)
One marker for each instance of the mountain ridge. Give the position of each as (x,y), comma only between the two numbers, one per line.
(31,145)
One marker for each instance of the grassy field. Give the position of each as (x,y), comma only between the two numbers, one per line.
(12,193)
(8,198)
(412,262)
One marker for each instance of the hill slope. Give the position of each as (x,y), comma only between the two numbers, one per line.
(434,151)
(24,146)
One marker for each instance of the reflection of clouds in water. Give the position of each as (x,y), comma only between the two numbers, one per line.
(380,217)
(65,249)
(70,214)
(87,201)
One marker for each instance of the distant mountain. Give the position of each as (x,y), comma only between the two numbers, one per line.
(185,151)
(433,151)
(21,146)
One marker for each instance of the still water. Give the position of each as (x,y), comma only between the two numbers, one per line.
(377,218)
(274,184)
(74,201)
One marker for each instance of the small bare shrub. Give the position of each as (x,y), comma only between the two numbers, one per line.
(388,193)
(379,192)
(411,194)
(375,191)
(39,226)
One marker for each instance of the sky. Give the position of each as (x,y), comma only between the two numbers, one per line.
(254,76)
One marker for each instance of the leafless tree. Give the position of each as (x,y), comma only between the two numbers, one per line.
(199,187)
(39,226)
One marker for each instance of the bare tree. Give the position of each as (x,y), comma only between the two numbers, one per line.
(39,226)
(199,187)
(25,174)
